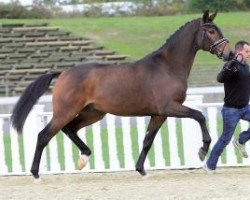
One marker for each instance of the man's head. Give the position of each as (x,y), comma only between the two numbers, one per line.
(242,50)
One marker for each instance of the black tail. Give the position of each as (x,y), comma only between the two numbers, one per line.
(29,97)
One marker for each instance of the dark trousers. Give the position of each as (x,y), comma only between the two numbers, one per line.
(231,117)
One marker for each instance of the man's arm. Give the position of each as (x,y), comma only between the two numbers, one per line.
(228,71)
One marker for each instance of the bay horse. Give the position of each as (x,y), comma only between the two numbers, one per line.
(152,86)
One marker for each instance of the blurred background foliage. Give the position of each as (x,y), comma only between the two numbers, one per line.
(52,8)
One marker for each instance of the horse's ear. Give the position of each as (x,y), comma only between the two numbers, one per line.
(211,18)
(205,17)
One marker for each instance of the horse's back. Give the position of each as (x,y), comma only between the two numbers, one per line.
(115,89)
(126,89)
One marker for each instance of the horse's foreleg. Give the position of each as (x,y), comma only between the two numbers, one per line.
(153,127)
(178,110)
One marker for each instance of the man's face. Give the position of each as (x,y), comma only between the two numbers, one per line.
(244,53)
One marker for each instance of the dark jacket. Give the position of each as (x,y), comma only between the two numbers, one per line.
(236,79)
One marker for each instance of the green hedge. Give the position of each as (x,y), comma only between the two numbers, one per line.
(162,8)
(17,11)
(221,5)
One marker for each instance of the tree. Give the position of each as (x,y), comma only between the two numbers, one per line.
(46,2)
(222,5)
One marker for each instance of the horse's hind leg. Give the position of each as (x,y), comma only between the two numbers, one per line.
(85,118)
(153,127)
(85,150)
(42,140)
(72,134)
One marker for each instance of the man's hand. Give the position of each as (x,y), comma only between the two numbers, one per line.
(232,65)
(239,57)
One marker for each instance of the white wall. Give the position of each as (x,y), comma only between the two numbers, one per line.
(23,2)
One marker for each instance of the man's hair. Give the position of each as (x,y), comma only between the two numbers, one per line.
(240,44)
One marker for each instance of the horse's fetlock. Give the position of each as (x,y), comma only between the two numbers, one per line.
(87,152)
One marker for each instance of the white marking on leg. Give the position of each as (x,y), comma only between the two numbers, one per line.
(83,161)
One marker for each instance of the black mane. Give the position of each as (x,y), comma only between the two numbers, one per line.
(171,41)
(175,36)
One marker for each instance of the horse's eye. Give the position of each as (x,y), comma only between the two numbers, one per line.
(211,31)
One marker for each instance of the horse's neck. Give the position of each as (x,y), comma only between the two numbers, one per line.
(179,57)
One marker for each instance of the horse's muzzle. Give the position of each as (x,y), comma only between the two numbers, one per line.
(228,57)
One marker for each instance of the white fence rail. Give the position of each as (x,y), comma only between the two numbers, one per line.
(115,143)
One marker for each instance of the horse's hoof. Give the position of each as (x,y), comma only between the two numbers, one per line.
(37,180)
(142,172)
(82,161)
(35,173)
(202,154)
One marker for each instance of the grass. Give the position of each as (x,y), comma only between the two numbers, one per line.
(139,36)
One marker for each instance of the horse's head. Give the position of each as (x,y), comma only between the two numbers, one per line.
(211,38)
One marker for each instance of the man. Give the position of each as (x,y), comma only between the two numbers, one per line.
(236,78)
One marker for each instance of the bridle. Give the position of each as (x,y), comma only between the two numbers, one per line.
(213,49)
